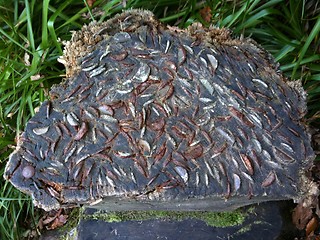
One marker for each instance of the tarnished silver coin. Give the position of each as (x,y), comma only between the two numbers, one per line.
(156,117)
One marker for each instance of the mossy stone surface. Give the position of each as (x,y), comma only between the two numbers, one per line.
(214,219)
(264,221)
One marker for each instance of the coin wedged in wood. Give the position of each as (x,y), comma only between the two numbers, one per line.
(156,117)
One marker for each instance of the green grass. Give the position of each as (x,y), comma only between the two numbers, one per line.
(30,43)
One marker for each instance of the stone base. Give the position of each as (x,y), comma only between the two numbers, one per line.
(270,220)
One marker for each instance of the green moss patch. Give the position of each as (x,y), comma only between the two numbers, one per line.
(215,219)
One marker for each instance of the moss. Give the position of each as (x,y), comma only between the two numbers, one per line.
(215,219)
(73,219)
(225,219)
(69,231)
(248,227)
(243,229)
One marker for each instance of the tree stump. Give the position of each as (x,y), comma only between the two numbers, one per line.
(157,117)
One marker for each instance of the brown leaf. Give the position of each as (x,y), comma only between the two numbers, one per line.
(53,219)
(312,226)
(301,216)
(58,222)
(48,220)
(90,2)
(206,14)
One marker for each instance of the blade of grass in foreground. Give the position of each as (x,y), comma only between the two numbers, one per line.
(314,33)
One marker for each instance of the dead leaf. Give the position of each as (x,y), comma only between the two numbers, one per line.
(206,14)
(301,216)
(26,59)
(90,2)
(53,219)
(312,226)
(35,77)
(48,220)
(58,222)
